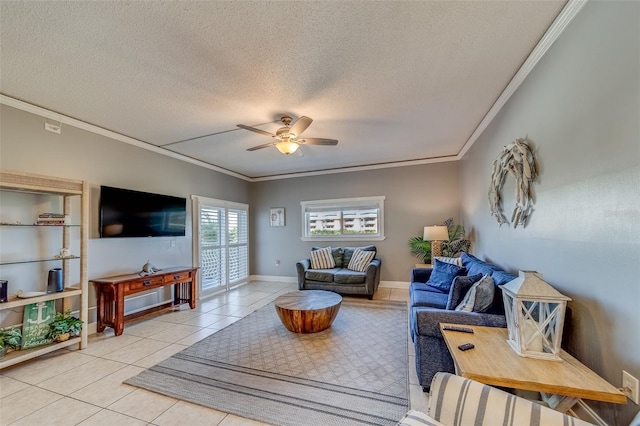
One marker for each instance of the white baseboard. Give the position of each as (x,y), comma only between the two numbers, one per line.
(273,278)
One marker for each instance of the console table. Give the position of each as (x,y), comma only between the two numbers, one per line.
(493,362)
(111,291)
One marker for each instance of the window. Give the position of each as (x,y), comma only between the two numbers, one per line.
(345,219)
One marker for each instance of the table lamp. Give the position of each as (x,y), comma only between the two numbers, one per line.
(436,234)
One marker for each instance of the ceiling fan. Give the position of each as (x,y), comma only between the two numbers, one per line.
(287,138)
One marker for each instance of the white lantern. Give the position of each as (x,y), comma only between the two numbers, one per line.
(535,316)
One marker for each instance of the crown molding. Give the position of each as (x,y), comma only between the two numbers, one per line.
(571,9)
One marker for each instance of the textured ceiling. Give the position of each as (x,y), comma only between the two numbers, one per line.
(392,81)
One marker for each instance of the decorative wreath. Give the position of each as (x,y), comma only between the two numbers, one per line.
(516,159)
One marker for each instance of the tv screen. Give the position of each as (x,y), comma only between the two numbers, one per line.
(128,213)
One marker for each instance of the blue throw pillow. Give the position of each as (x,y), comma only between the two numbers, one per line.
(443,275)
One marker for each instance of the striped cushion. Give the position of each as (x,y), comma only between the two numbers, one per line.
(360,259)
(456,401)
(322,259)
(418,418)
(453,260)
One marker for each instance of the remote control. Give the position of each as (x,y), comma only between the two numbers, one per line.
(466,346)
(454,328)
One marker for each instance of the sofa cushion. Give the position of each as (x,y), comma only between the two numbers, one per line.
(443,275)
(501,277)
(336,252)
(346,276)
(322,275)
(429,299)
(418,418)
(423,287)
(322,259)
(348,252)
(479,298)
(476,266)
(360,260)
(459,289)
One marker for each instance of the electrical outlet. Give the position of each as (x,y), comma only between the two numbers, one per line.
(172,243)
(631,383)
(277,263)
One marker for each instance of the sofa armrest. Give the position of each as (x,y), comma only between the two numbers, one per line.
(427,320)
(301,268)
(420,275)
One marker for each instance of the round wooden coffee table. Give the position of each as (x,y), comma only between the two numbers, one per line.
(308,311)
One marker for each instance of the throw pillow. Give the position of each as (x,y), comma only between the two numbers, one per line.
(360,259)
(460,288)
(322,259)
(479,298)
(452,260)
(443,274)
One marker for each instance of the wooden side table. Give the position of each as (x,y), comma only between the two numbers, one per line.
(111,291)
(493,362)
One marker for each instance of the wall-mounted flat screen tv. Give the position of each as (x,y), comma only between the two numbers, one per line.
(127,213)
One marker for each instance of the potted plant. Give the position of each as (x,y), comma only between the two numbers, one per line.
(10,338)
(64,326)
(456,244)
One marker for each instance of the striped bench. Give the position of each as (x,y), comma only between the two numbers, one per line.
(456,401)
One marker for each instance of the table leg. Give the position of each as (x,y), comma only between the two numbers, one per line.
(119,314)
(560,403)
(100,305)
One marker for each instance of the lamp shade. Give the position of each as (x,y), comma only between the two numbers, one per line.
(535,316)
(287,146)
(436,233)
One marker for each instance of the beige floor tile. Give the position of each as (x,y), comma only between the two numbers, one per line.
(159,356)
(419,399)
(260,303)
(413,375)
(178,316)
(204,320)
(110,389)
(223,323)
(9,386)
(111,418)
(63,412)
(197,336)
(104,343)
(383,293)
(175,332)
(184,413)
(145,328)
(225,310)
(143,405)
(48,366)
(140,349)
(232,420)
(81,376)
(399,294)
(242,312)
(25,402)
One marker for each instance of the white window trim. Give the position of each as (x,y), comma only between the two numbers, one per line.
(345,202)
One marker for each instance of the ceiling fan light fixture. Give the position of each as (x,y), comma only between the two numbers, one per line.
(287,147)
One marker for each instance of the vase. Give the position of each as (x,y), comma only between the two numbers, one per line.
(63,337)
(55,282)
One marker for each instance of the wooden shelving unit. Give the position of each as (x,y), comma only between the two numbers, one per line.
(67,189)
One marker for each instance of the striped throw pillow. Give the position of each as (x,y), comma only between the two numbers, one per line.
(452,260)
(360,259)
(322,259)
(418,418)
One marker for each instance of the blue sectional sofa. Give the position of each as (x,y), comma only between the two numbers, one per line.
(430,306)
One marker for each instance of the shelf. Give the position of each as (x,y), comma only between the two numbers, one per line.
(15,301)
(33,225)
(15,357)
(52,259)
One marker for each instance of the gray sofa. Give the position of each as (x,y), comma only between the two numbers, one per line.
(340,279)
(428,308)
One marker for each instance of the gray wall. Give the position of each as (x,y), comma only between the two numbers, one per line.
(415,196)
(580,108)
(78,154)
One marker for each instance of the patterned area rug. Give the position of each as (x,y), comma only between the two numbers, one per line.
(354,373)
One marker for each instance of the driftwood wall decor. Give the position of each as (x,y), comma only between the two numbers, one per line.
(517,160)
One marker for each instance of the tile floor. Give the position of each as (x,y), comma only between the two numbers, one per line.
(42,392)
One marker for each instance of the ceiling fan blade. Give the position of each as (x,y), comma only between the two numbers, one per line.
(318,141)
(253,129)
(300,125)
(266,145)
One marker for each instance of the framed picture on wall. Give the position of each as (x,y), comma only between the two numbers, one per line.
(276,216)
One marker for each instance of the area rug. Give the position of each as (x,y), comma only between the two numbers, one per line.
(354,373)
